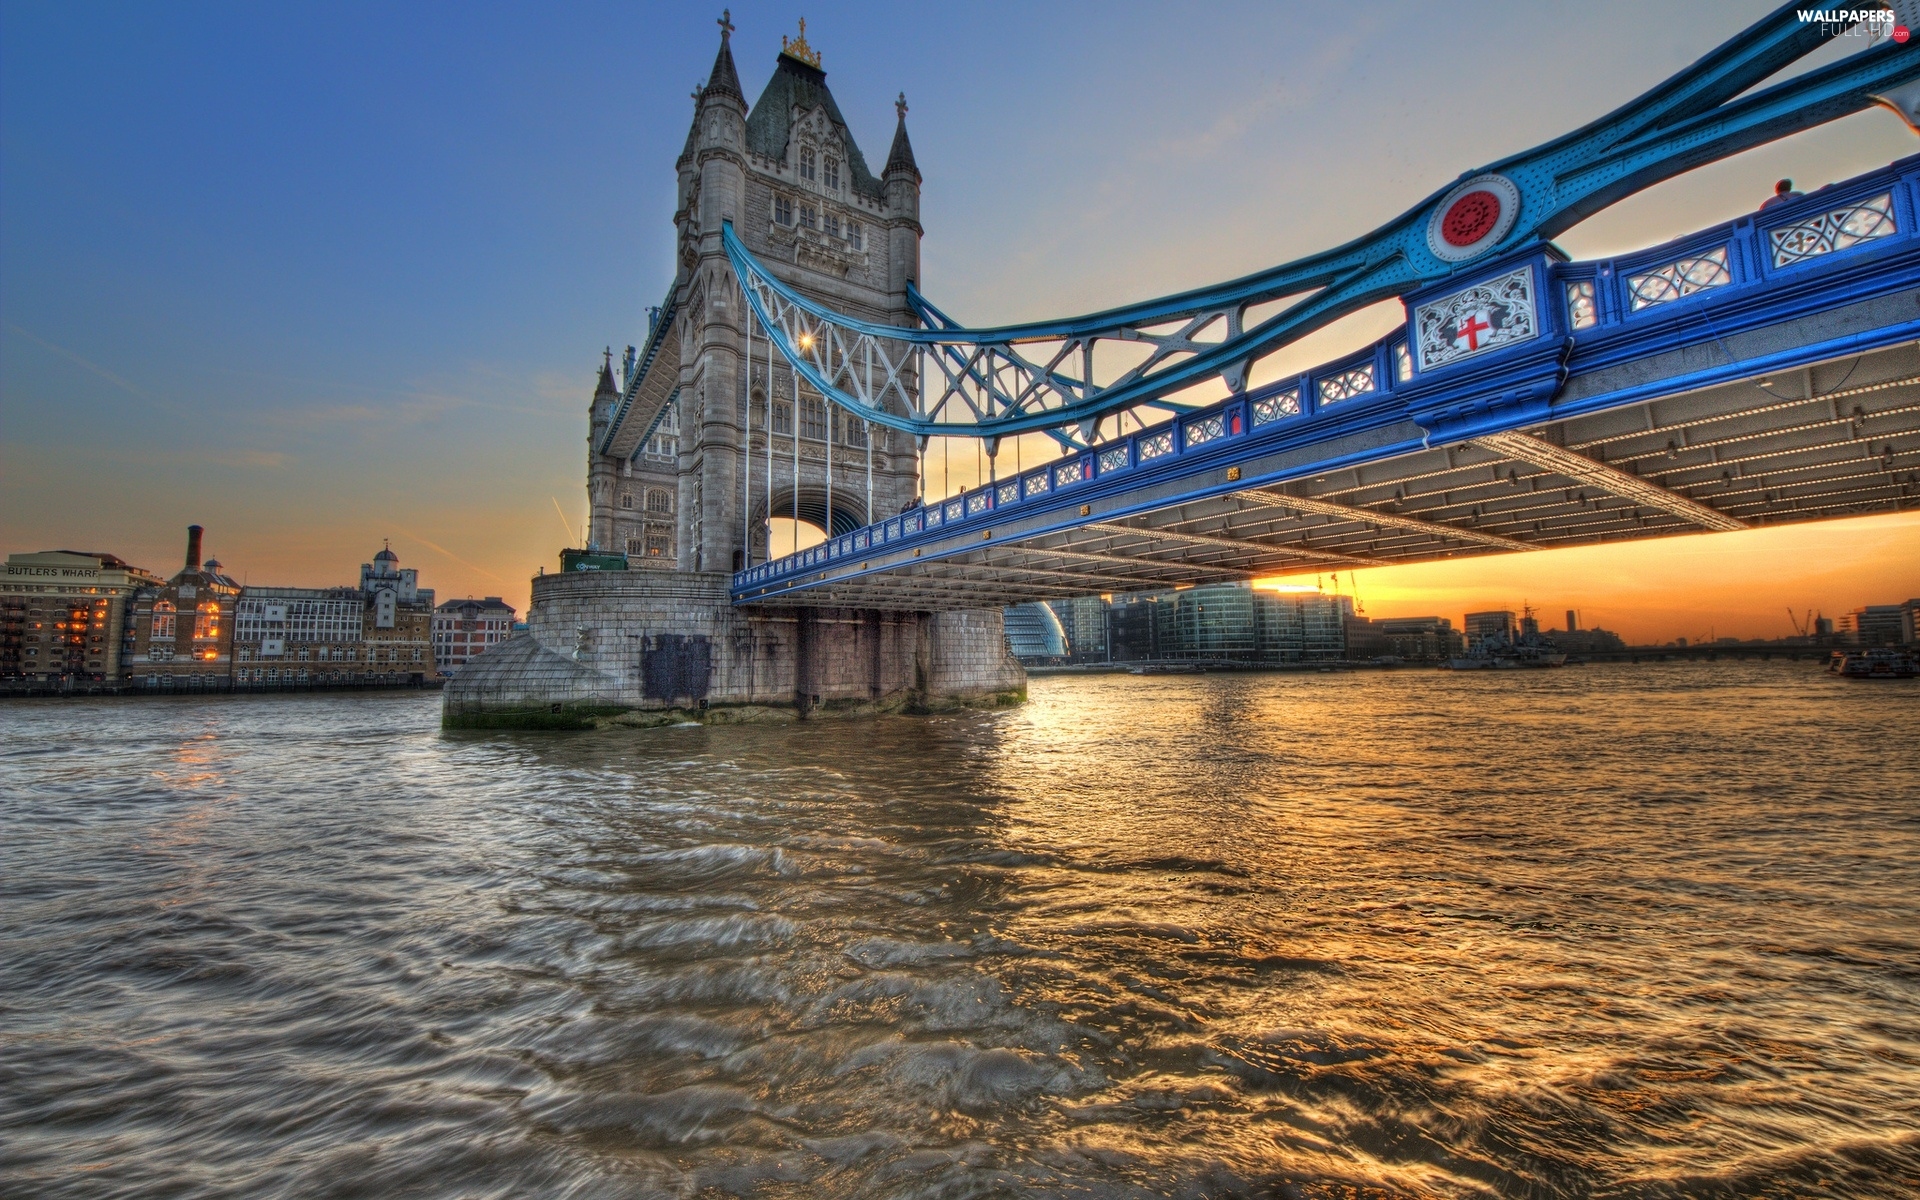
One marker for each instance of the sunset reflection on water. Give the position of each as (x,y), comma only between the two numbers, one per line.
(1629,930)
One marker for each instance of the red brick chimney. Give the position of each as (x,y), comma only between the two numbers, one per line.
(193,547)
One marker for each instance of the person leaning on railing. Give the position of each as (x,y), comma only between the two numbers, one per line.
(1782,192)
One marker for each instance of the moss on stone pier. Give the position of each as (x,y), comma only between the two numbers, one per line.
(602,716)
(555,716)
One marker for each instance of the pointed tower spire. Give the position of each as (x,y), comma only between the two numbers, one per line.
(725,81)
(900,158)
(606,387)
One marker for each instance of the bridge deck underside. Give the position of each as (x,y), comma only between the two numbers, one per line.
(1835,439)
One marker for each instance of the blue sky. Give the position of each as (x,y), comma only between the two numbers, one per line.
(315,275)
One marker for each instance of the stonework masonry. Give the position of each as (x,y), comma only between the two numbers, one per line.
(649,647)
(750,443)
(740,443)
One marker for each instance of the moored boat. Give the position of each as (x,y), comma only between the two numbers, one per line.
(1873,662)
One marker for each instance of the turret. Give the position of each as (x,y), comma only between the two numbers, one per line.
(720,124)
(600,467)
(901,177)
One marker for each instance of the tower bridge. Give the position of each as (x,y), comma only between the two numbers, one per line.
(1760,371)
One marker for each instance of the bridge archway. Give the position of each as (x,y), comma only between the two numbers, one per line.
(849,513)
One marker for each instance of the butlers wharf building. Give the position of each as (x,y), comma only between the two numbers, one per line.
(78,622)
(64,618)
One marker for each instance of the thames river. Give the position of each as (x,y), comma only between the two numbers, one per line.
(1635,930)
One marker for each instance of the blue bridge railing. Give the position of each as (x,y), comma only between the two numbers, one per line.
(1589,314)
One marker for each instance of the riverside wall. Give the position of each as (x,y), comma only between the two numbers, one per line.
(657,647)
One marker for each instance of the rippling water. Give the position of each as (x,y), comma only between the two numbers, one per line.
(1614,931)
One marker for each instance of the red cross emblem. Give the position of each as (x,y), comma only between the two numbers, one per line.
(1471,327)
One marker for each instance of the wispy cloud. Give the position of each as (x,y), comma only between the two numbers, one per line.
(78,360)
(450,554)
(141,457)
(561,387)
(402,405)
(270,459)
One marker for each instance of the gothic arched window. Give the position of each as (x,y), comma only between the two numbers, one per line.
(806,162)
(813,418)
(831,176)
(658,501)
(626,499)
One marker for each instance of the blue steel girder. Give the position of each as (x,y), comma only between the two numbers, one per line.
(634,371)
(945,379)
(1598,397)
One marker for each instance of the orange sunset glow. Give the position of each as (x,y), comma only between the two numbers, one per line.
(458,434)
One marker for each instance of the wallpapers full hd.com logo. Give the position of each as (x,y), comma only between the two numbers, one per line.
(1875,24)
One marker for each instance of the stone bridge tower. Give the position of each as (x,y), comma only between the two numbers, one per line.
(674,481)
(790,177)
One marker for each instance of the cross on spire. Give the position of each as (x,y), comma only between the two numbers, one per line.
(798,48)
(900,106)
(725,23)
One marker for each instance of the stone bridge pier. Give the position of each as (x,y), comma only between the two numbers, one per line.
(660,647)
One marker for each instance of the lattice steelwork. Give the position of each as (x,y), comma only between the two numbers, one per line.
(1278,406)
(1468,460)
(1199,433)
(1727,457)
(1836,230)
(946,379)
(1682,277)
(1548,440)
(1346,385)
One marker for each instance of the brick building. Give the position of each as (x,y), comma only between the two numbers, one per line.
(64,618)
(299,637)
(397,623)
(376,635)
(183,629)
(1421,639)
(464,629)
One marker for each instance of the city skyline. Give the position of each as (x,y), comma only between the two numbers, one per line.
(310,289)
